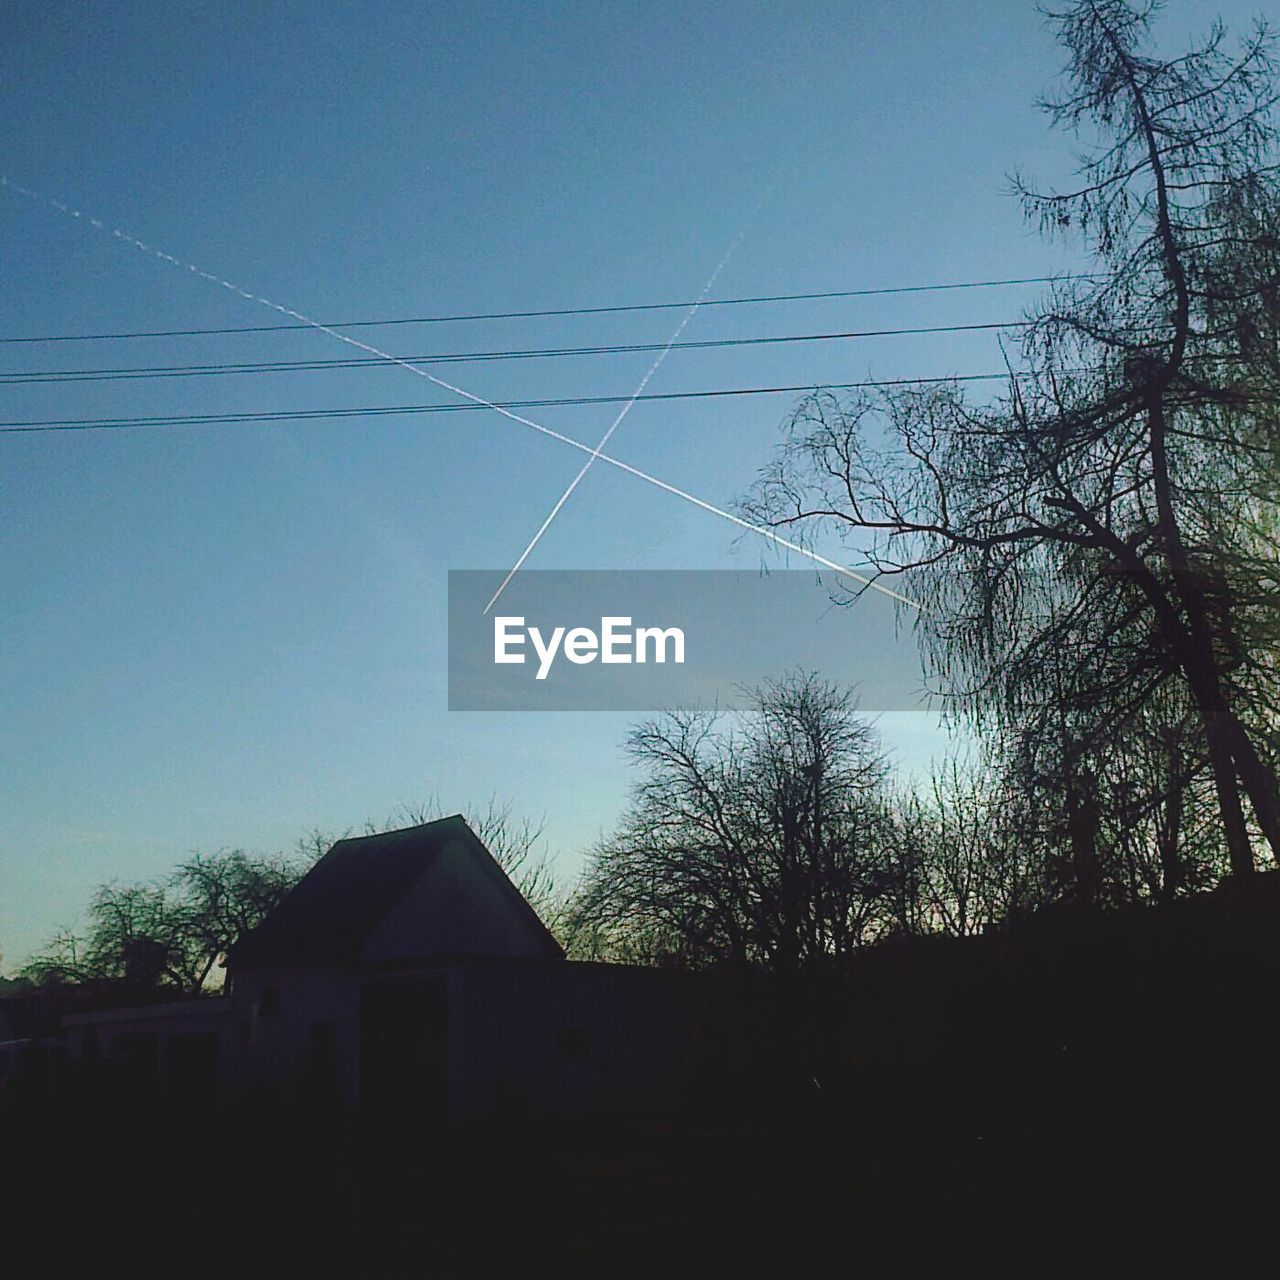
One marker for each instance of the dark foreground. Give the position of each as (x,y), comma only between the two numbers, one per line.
(1086,1089)
(189,1196)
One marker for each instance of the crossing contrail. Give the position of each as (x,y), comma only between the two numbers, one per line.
(626,408)
(701,503)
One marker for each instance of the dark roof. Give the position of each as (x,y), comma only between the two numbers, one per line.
(332,910)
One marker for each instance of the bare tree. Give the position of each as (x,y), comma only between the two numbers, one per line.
(170,934)
(966,832)
(1118,504)
(221,898)
(759,838)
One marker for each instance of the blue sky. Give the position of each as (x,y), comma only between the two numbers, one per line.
(228,636)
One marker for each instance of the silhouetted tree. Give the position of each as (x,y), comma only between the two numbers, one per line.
(1117,507)
(171,934)
(964,834)
(758,838)
(220,898)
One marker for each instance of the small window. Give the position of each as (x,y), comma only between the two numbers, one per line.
(269,1002)
(574,1043)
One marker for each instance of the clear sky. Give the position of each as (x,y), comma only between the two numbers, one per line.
(226,636)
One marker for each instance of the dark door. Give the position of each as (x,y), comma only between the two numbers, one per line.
(403,1043)
(193,1065)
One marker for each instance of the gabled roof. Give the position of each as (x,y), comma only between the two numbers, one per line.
(330,913)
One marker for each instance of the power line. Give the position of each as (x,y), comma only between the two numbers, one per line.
(305,415)
(146,372)
(621,415)
(561,311)
(300,317)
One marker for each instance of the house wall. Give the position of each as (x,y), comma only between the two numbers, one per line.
(521,1040)
(295,1033)
(458,907)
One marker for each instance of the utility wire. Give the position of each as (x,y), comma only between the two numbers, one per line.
(147,372)
(562,311)
(293,315)
(618,420)
(304,415)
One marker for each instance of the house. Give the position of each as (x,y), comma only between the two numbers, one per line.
(405,977)
(180,1048)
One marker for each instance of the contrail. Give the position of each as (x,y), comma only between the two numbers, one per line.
(626,408)
(761,530)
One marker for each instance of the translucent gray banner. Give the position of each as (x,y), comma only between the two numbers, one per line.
(644,640)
